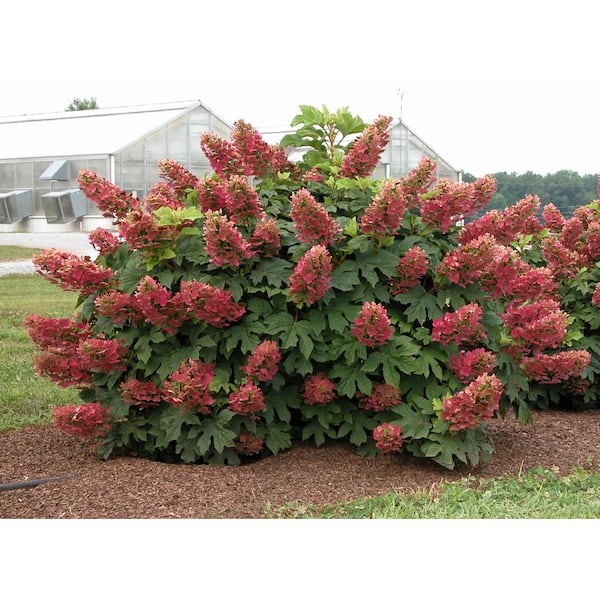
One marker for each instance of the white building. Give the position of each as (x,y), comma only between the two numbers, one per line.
(41,156)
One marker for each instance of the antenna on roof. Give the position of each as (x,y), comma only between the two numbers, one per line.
(401,93)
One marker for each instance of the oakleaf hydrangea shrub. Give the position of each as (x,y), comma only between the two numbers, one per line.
(227,316)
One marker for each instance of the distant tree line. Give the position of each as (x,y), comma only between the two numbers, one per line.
(567,190)
(82,104)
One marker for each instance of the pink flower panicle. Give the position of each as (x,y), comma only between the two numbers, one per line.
(450,201)
(388,437)
(159,305)
(318,389)
(419,181)
(503,272)
(163,194)
(445,205)
(372,326)
(85,421)
(572,235)
(596,295)
(63,367)
(581,235)
(363,155)
(470,364)
(313,175)
(592,249)
(104,241)
(72,272)
(189,386)
(211,304)
(482,191)
(177,175)
(310,280)
(521,218)
(497,268)
(141,231)
(59,340)
(489,224)
(110,199)
(263,361)
(265,238)
(383,397)
(531,284)
(556,368)
(411,268)
(506,225)
(212,195)
(553,218)
(246,154)
(49,333)
(563,263)
(141,393)
(462,327)
(241,201)
(474,405)
(577,386)
(586,214)
(221,154)
(224,243)
(536,325)
(248,444)
(312,222)
(121,308)
(248,399)
(470,261)
(383,216)
(102,355)
(257,156)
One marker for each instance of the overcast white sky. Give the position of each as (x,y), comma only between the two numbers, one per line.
(491,86)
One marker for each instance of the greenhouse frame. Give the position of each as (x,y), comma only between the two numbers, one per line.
(41,156)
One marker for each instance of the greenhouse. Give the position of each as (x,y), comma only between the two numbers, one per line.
(41,156)
(406,149)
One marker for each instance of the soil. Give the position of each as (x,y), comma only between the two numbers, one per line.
(128,488)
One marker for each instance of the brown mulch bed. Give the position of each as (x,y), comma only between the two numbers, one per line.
(124,488)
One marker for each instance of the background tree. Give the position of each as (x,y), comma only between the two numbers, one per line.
(82,104)
(567,190)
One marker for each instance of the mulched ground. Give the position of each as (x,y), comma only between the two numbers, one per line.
(125,488)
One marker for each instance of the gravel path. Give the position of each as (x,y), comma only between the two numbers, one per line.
(78,243)
(16,266)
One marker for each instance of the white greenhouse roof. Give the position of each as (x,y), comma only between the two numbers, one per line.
(84,132)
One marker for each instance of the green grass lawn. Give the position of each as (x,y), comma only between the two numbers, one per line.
(26,398)
(538,494)
(10,253)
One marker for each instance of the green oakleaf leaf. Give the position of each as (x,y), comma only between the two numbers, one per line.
(315,430)
(345,276)
(359,425)
(415,424)
(351,379)
(167,424)
(275,271)
(215,432)
(443,449)
(278,437)
(421,305)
